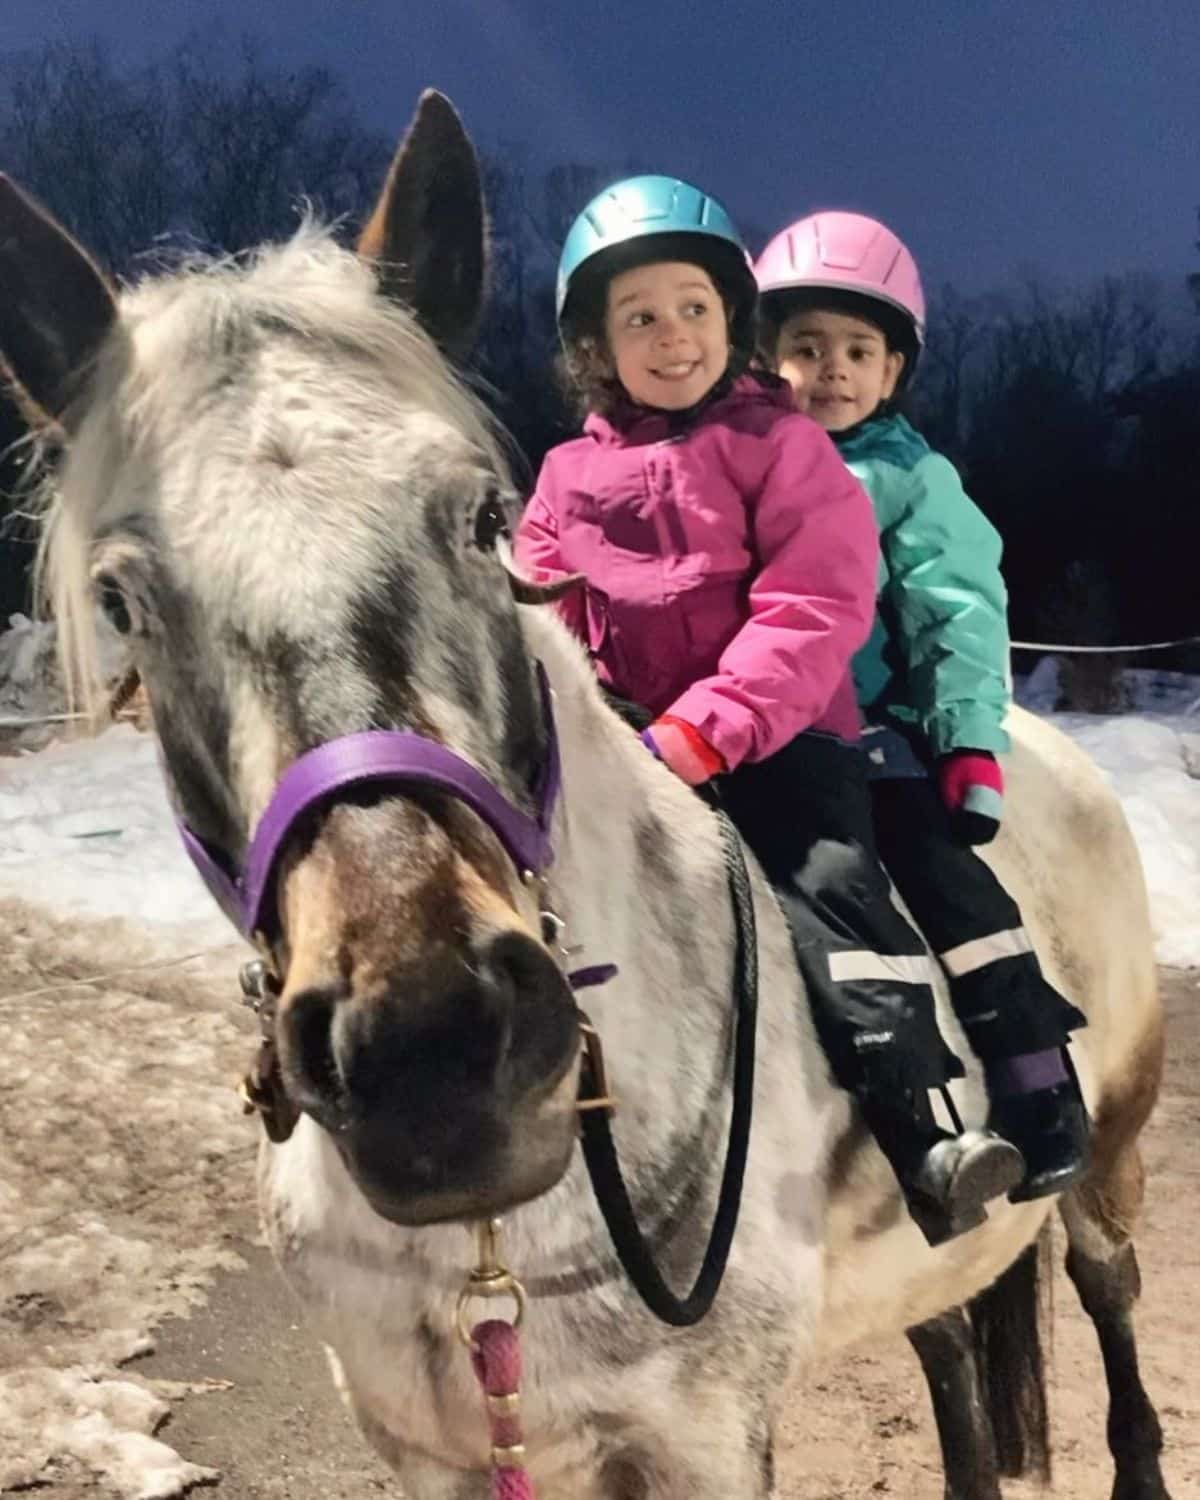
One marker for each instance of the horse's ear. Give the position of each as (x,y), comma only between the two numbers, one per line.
(427,233)
(56,308)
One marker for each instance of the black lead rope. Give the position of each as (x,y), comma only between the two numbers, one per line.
(600,1150)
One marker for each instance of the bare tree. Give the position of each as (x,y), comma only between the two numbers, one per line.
(95,144)
(253,143)
(201,144)
(564,191)
(530,209)
(1124,334)
(956,330)
(1093,343)
(1083,609)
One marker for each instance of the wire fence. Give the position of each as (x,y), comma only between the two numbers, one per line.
(1049,648)
(1053,648)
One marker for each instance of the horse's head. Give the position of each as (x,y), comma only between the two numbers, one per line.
(276,488)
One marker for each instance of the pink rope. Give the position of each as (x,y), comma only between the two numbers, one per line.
(496,1358)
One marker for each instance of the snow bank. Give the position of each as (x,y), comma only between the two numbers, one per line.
(127,1161)
(31,694)
(85,828)
(1154,767)
(1148,692)
(106,1426)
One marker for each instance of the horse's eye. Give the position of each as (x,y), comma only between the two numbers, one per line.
(491,523)
(112,602)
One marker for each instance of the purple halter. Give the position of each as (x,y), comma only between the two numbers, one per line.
(371,756)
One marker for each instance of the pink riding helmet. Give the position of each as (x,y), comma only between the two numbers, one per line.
(847,253)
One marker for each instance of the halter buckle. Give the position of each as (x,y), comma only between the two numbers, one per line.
(593,1072)
(489,1279)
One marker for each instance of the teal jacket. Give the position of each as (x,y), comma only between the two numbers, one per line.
(937,659)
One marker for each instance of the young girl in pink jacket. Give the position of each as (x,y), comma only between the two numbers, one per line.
(731,566)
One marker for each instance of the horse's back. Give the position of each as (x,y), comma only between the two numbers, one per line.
(1068,857)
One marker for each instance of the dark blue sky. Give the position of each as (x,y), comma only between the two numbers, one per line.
(995,135)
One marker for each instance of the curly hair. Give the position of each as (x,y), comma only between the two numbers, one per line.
(585,370)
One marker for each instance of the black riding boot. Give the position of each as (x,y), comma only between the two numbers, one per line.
(1050,1128)
(947,1180)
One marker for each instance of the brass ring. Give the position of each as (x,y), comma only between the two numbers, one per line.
(485,1291)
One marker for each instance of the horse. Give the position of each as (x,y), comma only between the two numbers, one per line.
(282,491)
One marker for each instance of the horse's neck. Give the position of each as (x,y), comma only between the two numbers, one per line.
(639,878)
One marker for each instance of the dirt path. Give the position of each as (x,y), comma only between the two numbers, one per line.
(861,1429)
(864,1428)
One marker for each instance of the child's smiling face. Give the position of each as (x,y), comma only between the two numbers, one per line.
(839,367)
(667,334)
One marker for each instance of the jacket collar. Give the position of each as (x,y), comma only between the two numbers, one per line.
(629,424)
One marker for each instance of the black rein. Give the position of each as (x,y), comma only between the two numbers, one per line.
(600,1150)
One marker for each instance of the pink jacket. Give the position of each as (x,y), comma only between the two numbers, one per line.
(731,570)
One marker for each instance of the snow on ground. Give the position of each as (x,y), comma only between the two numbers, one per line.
(1148,692)
(1151,755)
(85,828)
(1155,769)
(126,1159)
(125,1153)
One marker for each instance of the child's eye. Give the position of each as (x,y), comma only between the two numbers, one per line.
(640,319)
(696,309)
(806,351)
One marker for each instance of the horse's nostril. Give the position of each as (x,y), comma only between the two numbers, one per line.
(529,995)
(514,959)
(311,1067)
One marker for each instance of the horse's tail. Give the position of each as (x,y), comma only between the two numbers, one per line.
(1007,1319)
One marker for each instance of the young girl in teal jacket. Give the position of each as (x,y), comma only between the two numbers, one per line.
(843,315)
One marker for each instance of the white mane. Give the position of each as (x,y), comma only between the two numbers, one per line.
(281,375)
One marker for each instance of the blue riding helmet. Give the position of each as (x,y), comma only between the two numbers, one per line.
(617,230)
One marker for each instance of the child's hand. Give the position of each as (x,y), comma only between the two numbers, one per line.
(682,749)
(972,787)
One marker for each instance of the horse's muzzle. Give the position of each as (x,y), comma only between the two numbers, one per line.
(449,1091)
